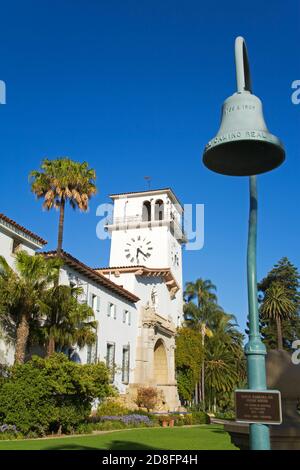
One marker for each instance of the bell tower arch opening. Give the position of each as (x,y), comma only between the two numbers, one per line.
(160,366)
(146,214)
(159,209)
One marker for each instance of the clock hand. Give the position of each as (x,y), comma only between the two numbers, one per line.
(142,253)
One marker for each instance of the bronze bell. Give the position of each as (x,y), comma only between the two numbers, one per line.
(243,146)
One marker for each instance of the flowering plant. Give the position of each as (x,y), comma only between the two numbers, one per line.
(8,428)
(132,419)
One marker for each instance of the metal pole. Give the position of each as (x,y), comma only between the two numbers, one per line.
(255,350)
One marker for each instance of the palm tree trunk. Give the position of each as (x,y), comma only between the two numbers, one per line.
(50,346)
(51,342)
(279,333)
(202,371)
(60,227)
(199,388)
(202,385)
(21,342)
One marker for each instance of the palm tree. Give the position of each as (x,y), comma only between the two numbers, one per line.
(21,295)
(226,332)
(225,366)
(221,374)
(202,290)
(277,305)
(60,181)
(67,322)
(198,315)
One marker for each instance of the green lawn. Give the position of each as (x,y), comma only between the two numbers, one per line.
(194,438)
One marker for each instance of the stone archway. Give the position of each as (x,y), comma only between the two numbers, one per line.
(160,366)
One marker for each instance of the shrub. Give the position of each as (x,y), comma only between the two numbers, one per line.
(111,408)
(85,428)
(199,417)
(188,419)
(52,394)
(147,397)
(196,407)
(9,431)
(180,421)
(164,418)
(130,420)
(10,428)
(230,415)
(6,436)
(153,417)
(89,428)
(144,413)
(108,423)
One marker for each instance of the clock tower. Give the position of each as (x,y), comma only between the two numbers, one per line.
(146,230)
(146,259)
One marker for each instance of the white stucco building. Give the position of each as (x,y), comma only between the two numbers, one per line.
(14,237)
(116,314)
(137,299)
(146,258)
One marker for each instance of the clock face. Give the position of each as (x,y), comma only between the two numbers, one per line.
(138,249)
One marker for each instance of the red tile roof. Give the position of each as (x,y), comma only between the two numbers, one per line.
(93,275)
(23,229)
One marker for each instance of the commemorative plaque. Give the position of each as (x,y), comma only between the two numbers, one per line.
(262,407)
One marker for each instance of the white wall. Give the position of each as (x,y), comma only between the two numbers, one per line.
(163,242)
(132,205)
(164,245)
(142,287)
(110,330)
(6,245)
(7,351)
(158,236)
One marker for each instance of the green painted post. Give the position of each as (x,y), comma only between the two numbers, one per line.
(255,350)
(228,156)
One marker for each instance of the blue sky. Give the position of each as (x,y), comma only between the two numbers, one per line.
(135,88)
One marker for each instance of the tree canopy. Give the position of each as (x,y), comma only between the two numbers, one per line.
(60,181)
(279,299)
(209,349)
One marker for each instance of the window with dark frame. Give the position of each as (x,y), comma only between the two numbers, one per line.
(110,359)
(89,354)
(125,364)
(112,310)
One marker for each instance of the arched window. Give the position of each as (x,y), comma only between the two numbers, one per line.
(146,217)
(159,210)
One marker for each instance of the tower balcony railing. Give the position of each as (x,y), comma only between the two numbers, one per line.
(131,222)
